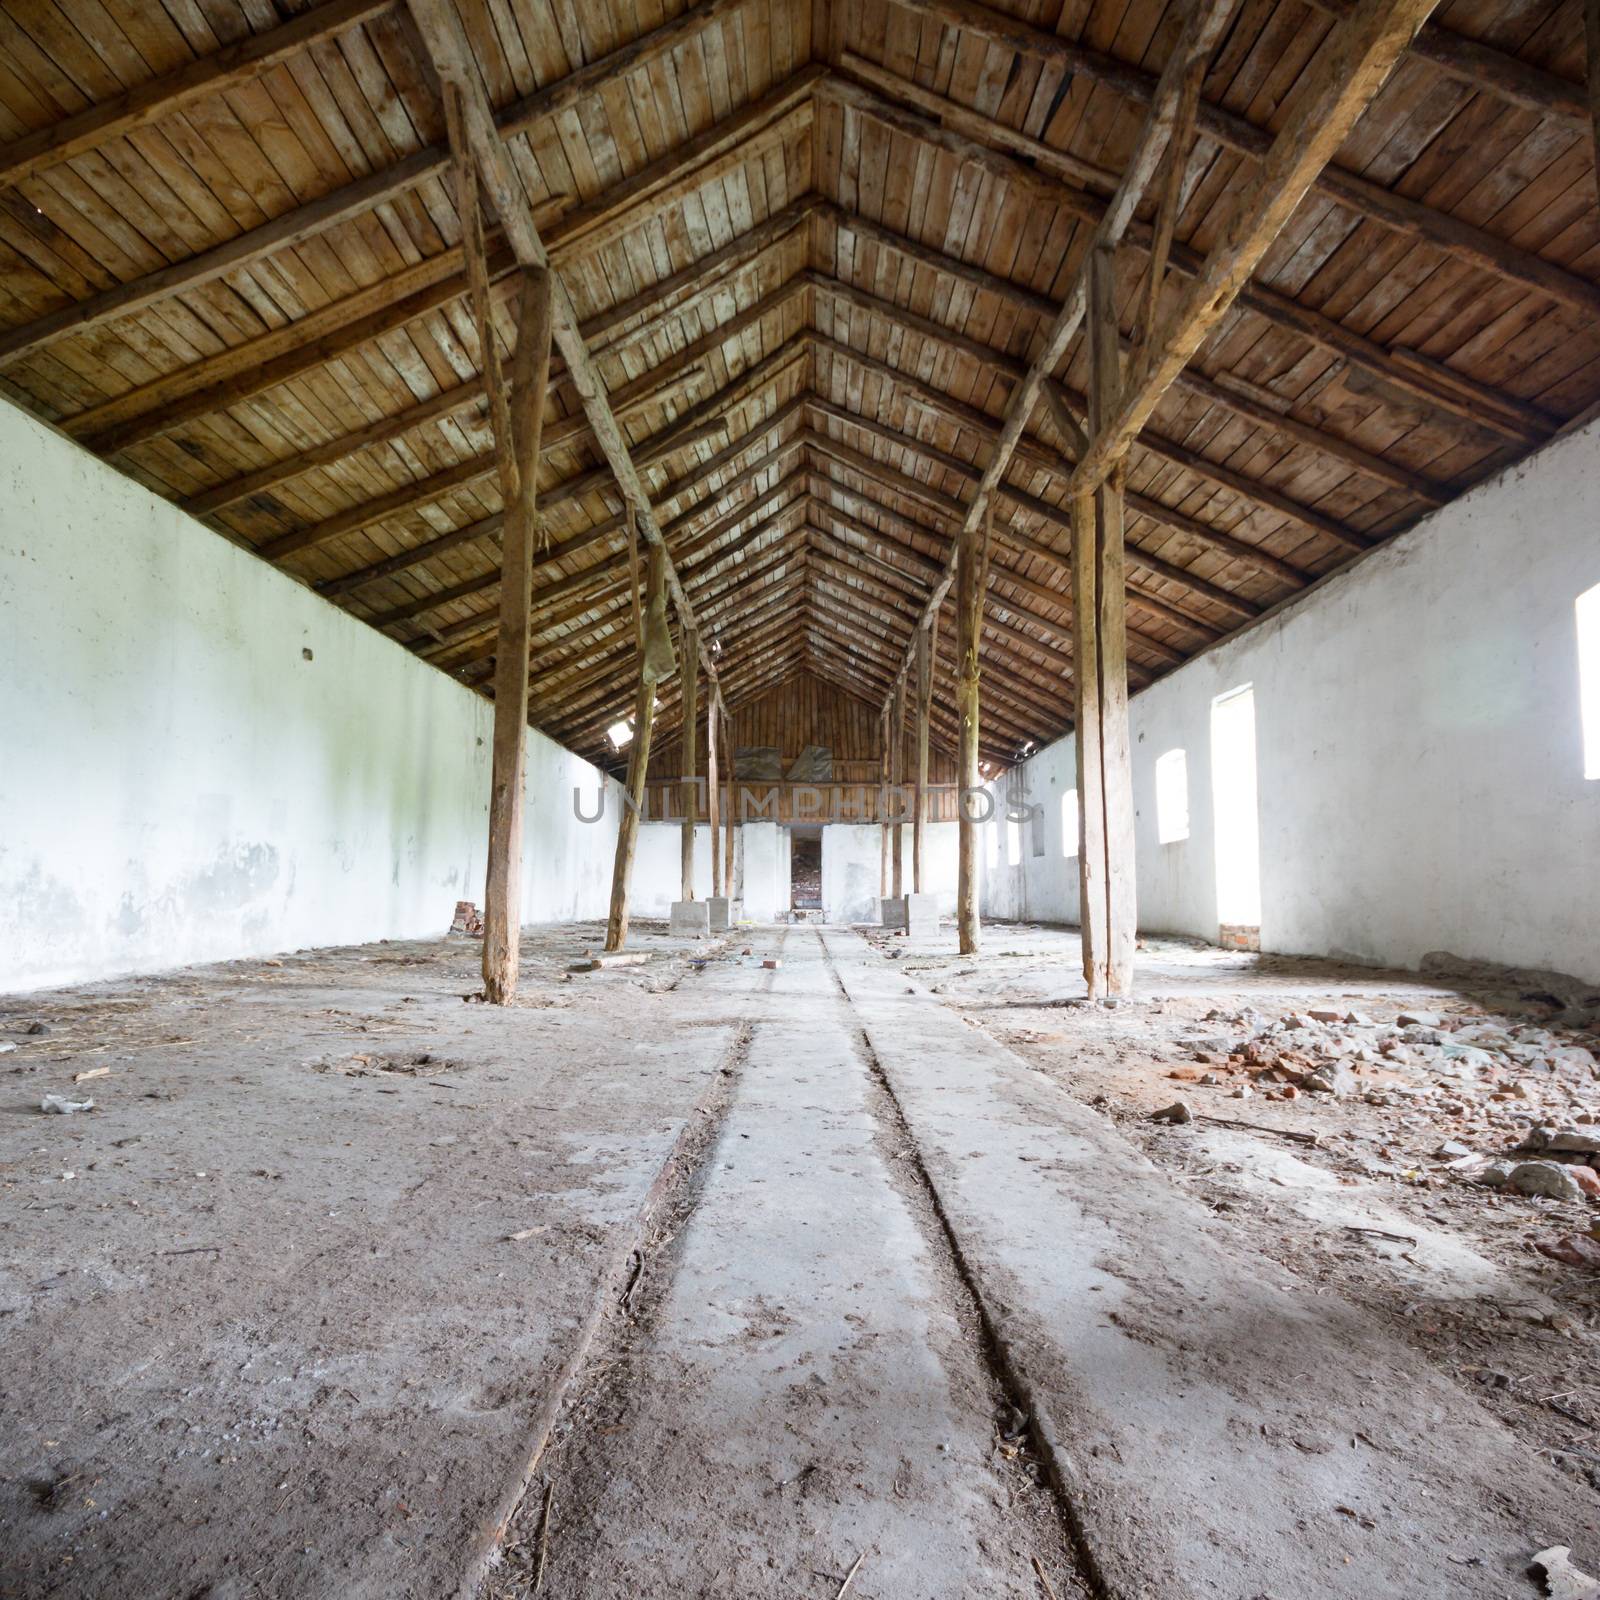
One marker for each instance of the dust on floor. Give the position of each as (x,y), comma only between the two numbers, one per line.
(279,1310)
(1361,1127)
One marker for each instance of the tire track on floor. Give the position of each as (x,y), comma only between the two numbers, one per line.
(1014,1405)
(667,1204)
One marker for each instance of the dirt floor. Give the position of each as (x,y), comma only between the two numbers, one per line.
(874,1270)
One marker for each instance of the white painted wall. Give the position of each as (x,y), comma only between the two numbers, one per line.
(1419,752)
(658,868)
(180,785)
(762,870)
(852,866)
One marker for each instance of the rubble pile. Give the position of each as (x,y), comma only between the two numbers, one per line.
(1520,1101)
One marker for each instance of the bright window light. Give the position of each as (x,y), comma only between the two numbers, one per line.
(620,734)
(1588,609)
(1069,823)
(1172,797)
(1236,821)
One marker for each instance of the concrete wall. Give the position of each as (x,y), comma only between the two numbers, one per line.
(658,868)
(852,865)
(181,784)
(761,870)
(1420,768)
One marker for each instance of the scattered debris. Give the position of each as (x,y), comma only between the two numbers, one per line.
(1261,1127)
(617,958)
(544,1537)
(93,1072)
(526,1233)
(1178,1111)
(849,1577)
(468,920)
(772,963)
(61,1106)
(1572,1250)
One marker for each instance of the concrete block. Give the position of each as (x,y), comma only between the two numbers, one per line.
(922,915)
(691,917)
(892,912)
(720,910)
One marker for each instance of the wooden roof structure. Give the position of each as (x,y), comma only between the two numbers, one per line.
(813,250)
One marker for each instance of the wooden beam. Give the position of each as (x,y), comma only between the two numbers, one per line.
(971,565)
(502,917)
(691,724)
(1341,84)
(1361,195)
(638,768)
(305,222)
(924,710)
(713,799)
(138,107)
(1104,760)
(1486,69)
(440,27)
(1453,396)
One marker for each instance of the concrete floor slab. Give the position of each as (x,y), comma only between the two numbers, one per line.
(801,1392)
(1222,1428)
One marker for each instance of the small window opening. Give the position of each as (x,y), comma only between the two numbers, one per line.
(1588,615)
(1172,797)
(620,734)
(1069,823)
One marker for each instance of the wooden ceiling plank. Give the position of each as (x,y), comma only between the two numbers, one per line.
(1461,400)
(234,64)
(1444,231)
(302,223)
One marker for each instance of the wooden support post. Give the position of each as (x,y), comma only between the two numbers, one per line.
(727,860)
(897,776)
(883,804)
(502,895)
(972,563)
(690,668)
(644,716)
(713,796)
(1105,784)
(924,710)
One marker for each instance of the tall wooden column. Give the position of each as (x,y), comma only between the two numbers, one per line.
(897,769)
(1105,783)
(690,674)
(727,860)
(924,711)
(884,804)
(972,564)
(713,797)
(502,895)
(644,716)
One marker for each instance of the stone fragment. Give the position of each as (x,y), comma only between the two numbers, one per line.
(1178,1111)
(1451,1150)
(1586,1179)
(1416,1019)
(1547,1179)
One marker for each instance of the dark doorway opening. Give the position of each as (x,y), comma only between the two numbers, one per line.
(805,871)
